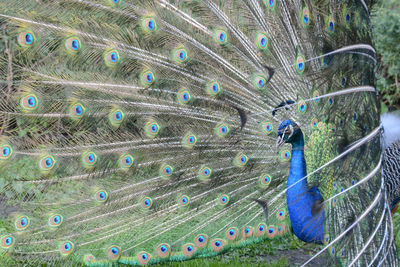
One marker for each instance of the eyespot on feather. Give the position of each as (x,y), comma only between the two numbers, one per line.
(201,240)
(111,58)
(55,220)
(114,252)
(6,151)
(163,250)
(73,45)
(89,159)
(184,96)
(66,248)
(26,38)
(22,222)
(77,111)
(188,249)
(149,24)
(213,88)
(7,241)
(29,102)
(221,36)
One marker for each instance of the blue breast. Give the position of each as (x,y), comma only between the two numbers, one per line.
(300,199)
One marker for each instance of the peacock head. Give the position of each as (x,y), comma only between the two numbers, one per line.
(288,132)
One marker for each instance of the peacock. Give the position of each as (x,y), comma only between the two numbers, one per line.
(143,132)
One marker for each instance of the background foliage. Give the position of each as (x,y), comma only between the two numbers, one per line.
(386,31)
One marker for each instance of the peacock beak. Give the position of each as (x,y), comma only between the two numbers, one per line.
(280,141)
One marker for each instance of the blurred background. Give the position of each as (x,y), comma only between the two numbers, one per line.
(386,31)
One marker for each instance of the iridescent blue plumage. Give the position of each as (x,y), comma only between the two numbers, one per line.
(307,225)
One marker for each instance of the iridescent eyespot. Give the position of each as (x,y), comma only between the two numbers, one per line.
(302,107)
(222,130)
(116,117)
(115,2)
(188,249)
(316,95)
(7,241)
(114,252)
(151,129)
(6,152)
(214,88)
(180,54)
(331,24)
(261,229)
(262,41)
(73,44)
(334,202)
(300,64)
(217,245)
(147,202)
(286,155)
(66,248)
(126,161)
(149,24)
(314,123)
(333,128)
(306,17)
(201,240)
(342,252)
(184,200)
(55,220)
(88,258)
(163,250)
(326,239)
(265,180)
(47,163)
(221,37)
(143,257)
(183,96)
(247,231)
(22,222)
(348,18)
(223,200)
(280,214)
(344,81)
(330,101)
(26,39)
(101,196)
(270,4)
(77,111)
(281,229)
(166,171)
(204,173)
(240,160)
(29,102)
(267,127)
(332,250)
(111,57)
(355,116)
(189,140)
(259,82)
(89,159)
(147,78)
(271,232)
(232,233)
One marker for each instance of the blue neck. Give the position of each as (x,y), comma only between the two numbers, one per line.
(300,198)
